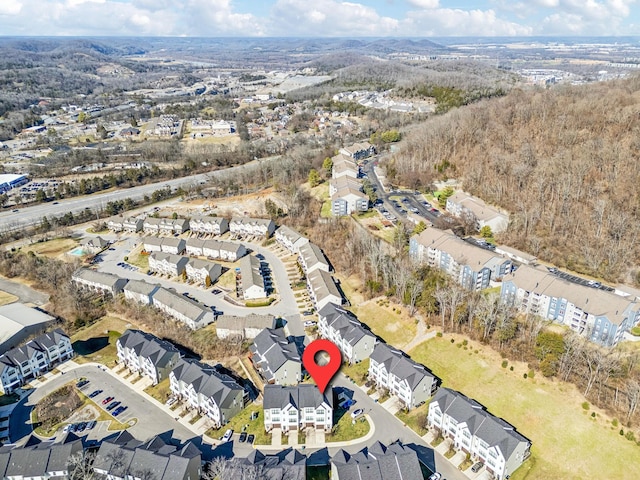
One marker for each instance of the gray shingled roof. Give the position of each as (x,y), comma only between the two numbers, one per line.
(312,256)
(323,284)
(101,278)
(300,396)
(164,461)
(141,287)
(271,349)
(287,464)
(208,381)
(378,462)
(397,363)
(160,352)
(181,304)
(15,356)
(251,272)
(345,323)
(493,430)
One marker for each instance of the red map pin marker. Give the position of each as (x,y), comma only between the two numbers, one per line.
(321,374)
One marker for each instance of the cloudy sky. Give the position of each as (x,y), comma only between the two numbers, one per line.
(379,18)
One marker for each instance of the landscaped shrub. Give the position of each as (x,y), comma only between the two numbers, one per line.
(593,414)
(465,343)
(439,334)
(622,432)
(504,364)
(585,405)
(453,340)
(511,368)
(524,375)
(614,422)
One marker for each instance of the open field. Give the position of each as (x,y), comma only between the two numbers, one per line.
(567,442)
(52,248)
(7,298)
(396,328)
(138,259)
(97,343)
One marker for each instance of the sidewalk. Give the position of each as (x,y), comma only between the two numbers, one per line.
(347,443)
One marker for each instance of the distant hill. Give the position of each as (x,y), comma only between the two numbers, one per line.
(565,162)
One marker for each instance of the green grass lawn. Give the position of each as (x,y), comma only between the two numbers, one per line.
(567,443)
(243,418)
(635,331)
(413,419)
(100,349)
(357,371)
(326,211)
(138,259)
(227,280)
(343,430)
(396,328)
(160,392)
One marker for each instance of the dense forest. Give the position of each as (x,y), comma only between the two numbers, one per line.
(562,161)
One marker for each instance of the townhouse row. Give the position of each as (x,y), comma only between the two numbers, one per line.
(213,249)
(36,357)
(200,386)
(345,187)
(201,225)
(123,457)
(182,309)
(321,285)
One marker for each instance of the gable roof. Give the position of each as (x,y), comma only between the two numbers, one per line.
(493,430)
(300,396)
(251,272)
(378,462)
(141,287)
(101,278)
(272,349)
(323,284)
(345,323)
(180,304)
(312,255)
(208,381)
(159,352)
(400,365)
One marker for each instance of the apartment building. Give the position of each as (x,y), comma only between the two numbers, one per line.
(290,239)
(462,205)
(276,357)
(98,281)
(209,225)
(601,316)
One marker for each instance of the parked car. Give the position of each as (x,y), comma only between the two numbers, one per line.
(91,424)
(357,412)
(435,476)
(243,437)
(113,405)
(251,438)
(306,313)
(216,291)
(171,401)
(118,411)
(476,467)
(107,400)
(66,428)
(81,427)
(95,393)
(227,435)
(82,383)
(309,323)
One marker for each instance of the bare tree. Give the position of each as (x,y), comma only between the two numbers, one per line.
(633,396)
(80,466)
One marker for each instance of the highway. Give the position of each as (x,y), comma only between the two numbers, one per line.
(32,215)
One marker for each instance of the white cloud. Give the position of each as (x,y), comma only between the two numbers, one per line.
(425,3)
(330,17)
(10,7)
(218,18)
(448,21)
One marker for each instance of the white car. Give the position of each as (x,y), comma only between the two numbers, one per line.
(227,435)
(309,323)
(436,476)
(357,412)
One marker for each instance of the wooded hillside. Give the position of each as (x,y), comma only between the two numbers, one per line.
(563,161)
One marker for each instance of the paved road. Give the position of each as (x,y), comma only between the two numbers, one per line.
(27,216)
(286,306)
(25,293)
(151,419)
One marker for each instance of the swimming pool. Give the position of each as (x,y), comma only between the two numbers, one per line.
(78,251)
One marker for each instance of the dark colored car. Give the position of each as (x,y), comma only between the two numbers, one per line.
(91,424)
(113,405)
(82,383)
(243,437)
(95,393)
(81,427)
(107,400)
(118,411)
(251,438)
(476,467)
